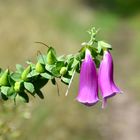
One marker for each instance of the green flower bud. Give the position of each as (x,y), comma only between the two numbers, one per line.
(63,71)
(40,68)
(25,73)
(4,79)
(17,87)
(51,57)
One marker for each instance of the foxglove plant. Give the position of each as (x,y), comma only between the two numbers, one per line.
(49,67)
(88,83)
(105,77)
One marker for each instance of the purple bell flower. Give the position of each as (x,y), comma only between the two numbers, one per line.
(88,84)
(105,78)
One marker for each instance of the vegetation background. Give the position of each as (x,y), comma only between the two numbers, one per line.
(62,24)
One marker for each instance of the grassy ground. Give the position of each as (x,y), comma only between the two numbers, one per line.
(62,24)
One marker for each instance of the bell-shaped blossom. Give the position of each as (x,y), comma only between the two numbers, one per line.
(88,83)
(105,78)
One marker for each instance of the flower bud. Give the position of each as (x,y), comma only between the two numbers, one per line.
(17,86)
(40,68)
(25,73)
(4,80)
(51,58)
(63,71)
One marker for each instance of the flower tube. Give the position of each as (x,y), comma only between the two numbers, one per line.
(88,83)
(105,78)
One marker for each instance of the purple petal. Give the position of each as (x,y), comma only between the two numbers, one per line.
(105,78)
(88,83)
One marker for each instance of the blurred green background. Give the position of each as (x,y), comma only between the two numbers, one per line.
(63,24)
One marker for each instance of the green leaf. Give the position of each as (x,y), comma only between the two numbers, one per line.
(65,80)
(31,64)
(70,72)
(49,67)
(40,94)
(19,68)
(78,67)
(11,81)
(70,62)
(69,56)
(8,92)
(46,75)
(61,58)
(103,45)
(2,96)
(42,59)
(16,76)
(53,81)
(23,97)
(5,89)
(93,51)
(59,64)
(32,74)
(80,56)
(97,62)
(57,67)
(1,72)
(55,72)
(29,87)
(39,82)
(75,63)
(11,92)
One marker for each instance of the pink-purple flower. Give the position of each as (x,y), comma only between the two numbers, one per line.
(88,83)
(105,78)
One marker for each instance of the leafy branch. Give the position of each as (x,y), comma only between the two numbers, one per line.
(49,67)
